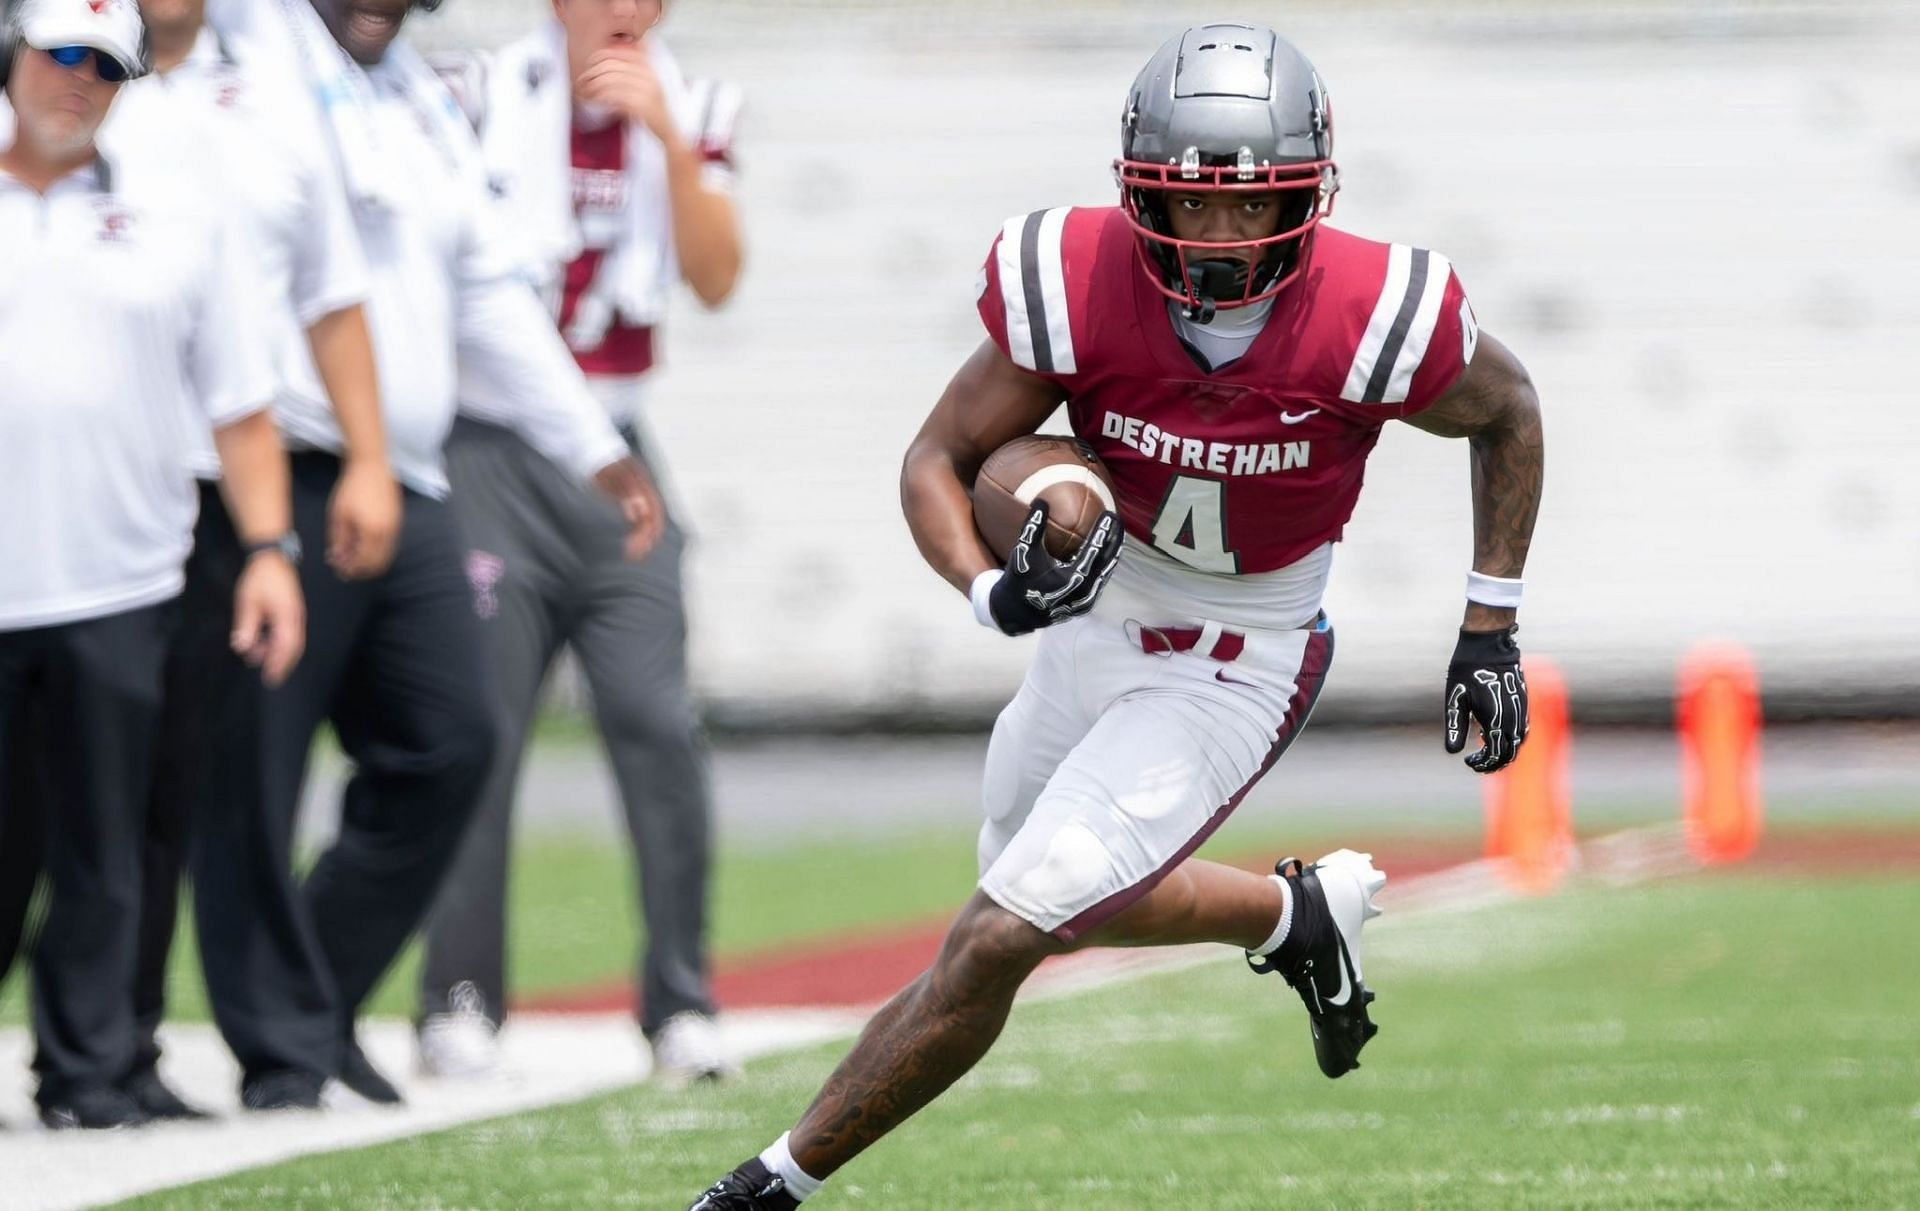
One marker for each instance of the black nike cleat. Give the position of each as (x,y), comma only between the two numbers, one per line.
(751,1187)
(1320,959)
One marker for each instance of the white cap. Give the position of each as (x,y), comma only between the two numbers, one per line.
(111,26)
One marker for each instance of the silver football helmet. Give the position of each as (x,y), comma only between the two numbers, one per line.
(1226,108)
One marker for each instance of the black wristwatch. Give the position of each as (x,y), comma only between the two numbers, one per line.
(288,545)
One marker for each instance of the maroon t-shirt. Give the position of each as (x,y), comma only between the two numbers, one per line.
(600,189)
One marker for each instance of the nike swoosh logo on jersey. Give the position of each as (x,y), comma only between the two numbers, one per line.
(1288,418)
(1223,679)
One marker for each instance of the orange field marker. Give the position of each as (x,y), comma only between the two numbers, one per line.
(1530,803)
(1720,723)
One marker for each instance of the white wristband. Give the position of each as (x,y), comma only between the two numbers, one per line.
(1494,590)
(982,587)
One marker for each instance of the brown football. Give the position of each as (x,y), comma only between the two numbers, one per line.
(1063,471)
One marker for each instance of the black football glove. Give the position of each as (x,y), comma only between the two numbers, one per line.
(1485,686)
(1039,590)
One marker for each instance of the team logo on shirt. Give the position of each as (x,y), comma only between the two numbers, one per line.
(484,571)
(599,190)
(116,224)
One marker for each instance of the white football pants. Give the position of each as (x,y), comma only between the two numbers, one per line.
(1112,764)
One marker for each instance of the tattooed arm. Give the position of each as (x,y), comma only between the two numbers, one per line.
(1493,406)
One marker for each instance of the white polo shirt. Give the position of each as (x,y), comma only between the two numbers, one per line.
(451,317)
(122,329)
(219,131)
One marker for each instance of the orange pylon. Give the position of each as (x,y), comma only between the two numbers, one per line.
(1720,723)
(1530,803)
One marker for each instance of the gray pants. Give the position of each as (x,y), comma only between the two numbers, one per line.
(546,563)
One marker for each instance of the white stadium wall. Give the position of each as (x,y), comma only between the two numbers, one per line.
(1697,226)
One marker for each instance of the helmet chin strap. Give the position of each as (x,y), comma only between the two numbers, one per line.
(1214,279)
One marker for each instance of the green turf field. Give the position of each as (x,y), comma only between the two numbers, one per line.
(1712,1041)
(574,924)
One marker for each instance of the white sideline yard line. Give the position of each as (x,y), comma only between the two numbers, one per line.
(555,1059)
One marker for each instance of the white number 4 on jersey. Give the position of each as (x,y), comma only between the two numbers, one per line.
(1192,525)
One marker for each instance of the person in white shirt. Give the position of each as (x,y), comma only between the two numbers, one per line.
(616,175)
(211,129)
(123,329)
(397,663)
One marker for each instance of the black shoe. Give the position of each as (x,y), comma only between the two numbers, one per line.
(282,1089)
(358,1074)
(92,1108)
(749,1188)
(151,1094)
(1320,959)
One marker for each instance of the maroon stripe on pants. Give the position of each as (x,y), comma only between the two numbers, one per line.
(1313,674)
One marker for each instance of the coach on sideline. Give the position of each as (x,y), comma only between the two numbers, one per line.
(396,663)
(122,329)
(211,127)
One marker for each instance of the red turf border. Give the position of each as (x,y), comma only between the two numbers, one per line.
(864,968)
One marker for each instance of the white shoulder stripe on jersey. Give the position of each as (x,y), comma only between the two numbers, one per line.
(1053,289)
(1033,291)
(1398,331)
(1013,294)
(1413,350)
(1399,259)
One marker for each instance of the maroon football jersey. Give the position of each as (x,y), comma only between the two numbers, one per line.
(1249,467)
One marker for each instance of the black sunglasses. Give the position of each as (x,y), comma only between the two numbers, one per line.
(109,69)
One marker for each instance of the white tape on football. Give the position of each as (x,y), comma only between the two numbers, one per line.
(1062,473)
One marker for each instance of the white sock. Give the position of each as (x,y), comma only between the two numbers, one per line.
(1285,927)
(778,1159)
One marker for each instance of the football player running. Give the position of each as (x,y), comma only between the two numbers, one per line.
(1232,361)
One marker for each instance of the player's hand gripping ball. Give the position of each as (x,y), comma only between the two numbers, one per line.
(1062,471)
(1485,685)
(1040,590)
(1045,505)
